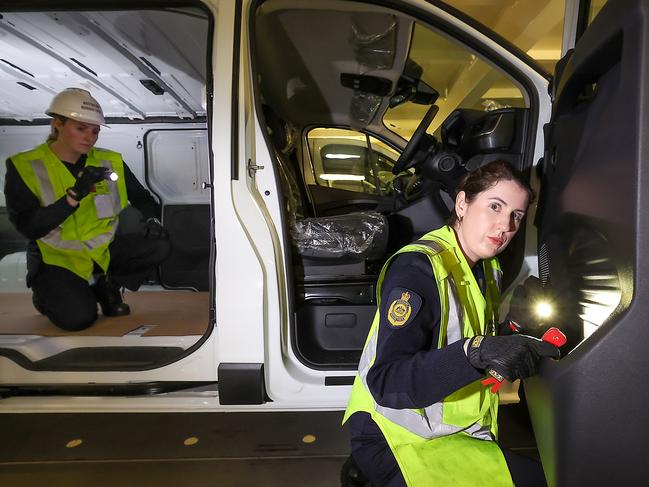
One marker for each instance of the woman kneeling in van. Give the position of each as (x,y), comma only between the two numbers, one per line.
(66,196)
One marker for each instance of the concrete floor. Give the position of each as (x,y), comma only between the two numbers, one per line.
(284,472)
(185,450)
(224,449)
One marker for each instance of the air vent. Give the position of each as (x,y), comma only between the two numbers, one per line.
(152,86)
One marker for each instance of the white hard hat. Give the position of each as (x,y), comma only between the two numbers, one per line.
(76,104)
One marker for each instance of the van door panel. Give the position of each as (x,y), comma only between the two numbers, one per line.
(589,410)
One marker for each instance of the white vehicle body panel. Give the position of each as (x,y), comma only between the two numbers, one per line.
(251,297)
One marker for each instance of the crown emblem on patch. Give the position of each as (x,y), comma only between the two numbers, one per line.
(400,310)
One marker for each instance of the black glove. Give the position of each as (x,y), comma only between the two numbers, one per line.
(154,229)
(513,357)
(87,178)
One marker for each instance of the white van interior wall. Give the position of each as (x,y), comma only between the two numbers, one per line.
(128,139)
(189,159)
(178,164)
(17,139)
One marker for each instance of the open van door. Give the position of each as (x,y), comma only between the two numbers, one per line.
(299,52)
(589,410)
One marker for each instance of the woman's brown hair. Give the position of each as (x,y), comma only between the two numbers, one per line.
(487,176)
(54,133)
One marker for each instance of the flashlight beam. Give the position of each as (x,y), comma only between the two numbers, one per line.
(544,309)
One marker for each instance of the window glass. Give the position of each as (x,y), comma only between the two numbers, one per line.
(343,159)
(462,79)
(593,9)
(535,27)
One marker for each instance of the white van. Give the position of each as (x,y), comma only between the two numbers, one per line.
(285,142)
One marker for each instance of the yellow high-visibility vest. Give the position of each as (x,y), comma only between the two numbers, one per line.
(450,443)
(83,238)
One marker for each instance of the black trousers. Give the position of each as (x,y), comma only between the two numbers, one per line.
(376,461)
(69,301)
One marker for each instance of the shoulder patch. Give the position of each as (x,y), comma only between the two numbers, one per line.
(403,307)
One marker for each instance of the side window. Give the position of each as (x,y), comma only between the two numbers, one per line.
(588,10)
(462,79)
(534,27)
(594,6)
(350,160)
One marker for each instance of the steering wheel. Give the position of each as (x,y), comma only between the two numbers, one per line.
(406,159)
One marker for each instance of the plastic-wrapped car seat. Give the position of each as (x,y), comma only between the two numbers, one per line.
(345,238)
(323,242)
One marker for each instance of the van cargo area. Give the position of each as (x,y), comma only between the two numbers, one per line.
(151,84)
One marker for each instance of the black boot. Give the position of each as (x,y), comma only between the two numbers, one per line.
(110,297)
(351,475)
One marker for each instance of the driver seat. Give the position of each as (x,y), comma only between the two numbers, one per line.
(330,245)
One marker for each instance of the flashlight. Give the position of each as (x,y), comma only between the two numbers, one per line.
(110,175)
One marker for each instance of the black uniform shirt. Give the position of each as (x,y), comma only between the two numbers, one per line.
(409,370)
(35,221)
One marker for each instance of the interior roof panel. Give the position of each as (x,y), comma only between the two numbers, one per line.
(301,50)
(108,53)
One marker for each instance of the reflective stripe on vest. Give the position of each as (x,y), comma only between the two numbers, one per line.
(455,310)
(43,178)
(112,186)
(428,422)
(54,238)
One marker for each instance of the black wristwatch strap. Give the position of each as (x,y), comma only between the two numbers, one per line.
(72,194)
(473,352)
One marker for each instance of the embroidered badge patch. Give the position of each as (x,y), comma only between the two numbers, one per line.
(400,310)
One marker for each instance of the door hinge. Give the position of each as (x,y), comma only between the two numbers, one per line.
(253,168)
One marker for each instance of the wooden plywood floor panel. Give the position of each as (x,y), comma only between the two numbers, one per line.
(153,313)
